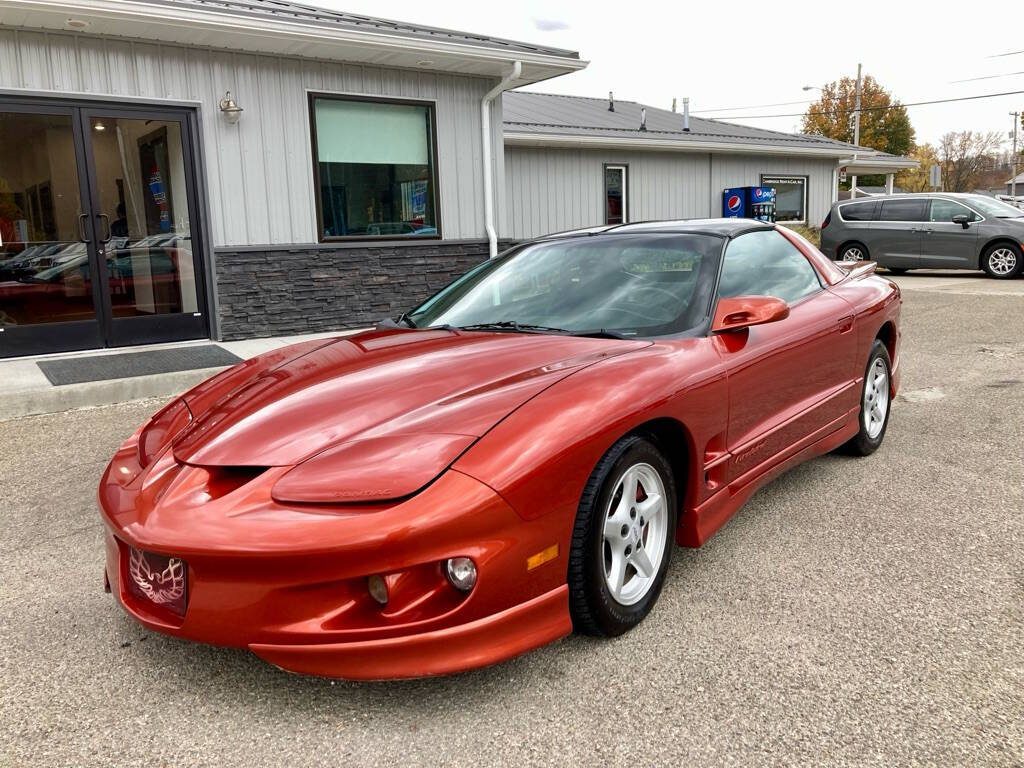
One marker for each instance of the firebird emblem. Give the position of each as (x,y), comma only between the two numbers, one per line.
(164,586)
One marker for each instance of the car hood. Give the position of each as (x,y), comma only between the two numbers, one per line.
(383,384)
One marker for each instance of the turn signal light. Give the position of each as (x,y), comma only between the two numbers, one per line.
(461,572)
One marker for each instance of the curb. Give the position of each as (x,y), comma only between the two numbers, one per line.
(95,393)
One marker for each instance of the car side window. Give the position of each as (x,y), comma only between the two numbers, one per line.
(902,210)
(766,264)
(944,211)
(858,211)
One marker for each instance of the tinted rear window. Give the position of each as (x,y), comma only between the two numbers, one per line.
(902,210)
(859,211)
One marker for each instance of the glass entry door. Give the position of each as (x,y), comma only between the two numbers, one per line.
(97,219)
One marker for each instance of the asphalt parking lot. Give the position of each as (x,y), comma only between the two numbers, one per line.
(857,611)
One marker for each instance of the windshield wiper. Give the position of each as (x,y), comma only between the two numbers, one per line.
(512,325)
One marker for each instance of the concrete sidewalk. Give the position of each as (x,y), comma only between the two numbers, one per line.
(25,391)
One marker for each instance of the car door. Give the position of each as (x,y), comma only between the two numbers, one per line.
(792,380)
(896,234)
(944,244)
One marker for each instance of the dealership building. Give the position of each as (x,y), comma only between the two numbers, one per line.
(187,169)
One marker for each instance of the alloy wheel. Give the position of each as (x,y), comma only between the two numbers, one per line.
(1002,261)
(853,253)
(876,398)
(635,533)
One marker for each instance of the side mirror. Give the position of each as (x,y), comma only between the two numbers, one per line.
(962,219)
(738,312)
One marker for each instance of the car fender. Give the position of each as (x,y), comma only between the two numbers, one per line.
(540,457)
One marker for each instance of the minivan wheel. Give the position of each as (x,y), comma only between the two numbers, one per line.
(853,252)
(1002,261)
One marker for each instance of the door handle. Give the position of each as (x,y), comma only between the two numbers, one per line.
(106,223)
(81,227)
(846,324)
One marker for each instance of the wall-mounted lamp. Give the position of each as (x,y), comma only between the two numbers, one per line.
(230,109)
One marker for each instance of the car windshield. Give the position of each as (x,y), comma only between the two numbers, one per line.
(631,285)
(995,208)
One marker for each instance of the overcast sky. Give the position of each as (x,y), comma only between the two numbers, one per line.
(737,54)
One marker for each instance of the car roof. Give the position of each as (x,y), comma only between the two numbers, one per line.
(906,195)
(716,227)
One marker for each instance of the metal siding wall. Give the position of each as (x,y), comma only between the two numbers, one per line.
(260,170)
(551,190)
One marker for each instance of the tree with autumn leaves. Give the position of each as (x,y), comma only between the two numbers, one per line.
(884,124)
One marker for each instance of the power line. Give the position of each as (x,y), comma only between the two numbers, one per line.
(881,109)
(1000,55)
(987,77)
(752,106)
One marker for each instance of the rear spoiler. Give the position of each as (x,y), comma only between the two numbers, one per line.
(856,269)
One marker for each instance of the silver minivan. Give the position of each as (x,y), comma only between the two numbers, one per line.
(933,231)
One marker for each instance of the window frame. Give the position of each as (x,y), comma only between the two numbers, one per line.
(822,282)
(431,106)
(806,179)
(624,167)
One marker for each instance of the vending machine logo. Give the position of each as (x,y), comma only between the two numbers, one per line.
(734,204)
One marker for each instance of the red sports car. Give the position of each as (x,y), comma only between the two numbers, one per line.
(509,461)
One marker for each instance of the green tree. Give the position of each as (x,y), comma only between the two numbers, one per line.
(884,123)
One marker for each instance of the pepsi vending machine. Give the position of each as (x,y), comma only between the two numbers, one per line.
(749,203)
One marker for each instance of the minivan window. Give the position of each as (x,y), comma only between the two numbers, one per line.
(859,211)
(902,210)
(944,211)
(766,264)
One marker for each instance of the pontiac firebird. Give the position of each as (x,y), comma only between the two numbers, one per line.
(510,461)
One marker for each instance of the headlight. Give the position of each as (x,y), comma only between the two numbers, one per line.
(162,429)
(372,469)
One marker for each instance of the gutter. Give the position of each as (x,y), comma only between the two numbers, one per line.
(485,128)
(521,139)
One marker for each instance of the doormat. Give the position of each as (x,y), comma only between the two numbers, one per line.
(76,370)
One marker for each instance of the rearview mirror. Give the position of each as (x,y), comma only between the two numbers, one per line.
(962,219)
(738,312)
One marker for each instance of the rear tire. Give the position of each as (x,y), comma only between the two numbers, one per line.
(896,270)
(853,252)
(622,540)
(875,403)
(1002,261)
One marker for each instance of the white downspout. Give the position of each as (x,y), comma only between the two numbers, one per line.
(485,127)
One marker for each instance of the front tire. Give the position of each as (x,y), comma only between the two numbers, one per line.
(622,539)
(875,403)
(1002,261)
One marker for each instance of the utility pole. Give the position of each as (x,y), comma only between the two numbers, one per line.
(1013,179)
(856,132)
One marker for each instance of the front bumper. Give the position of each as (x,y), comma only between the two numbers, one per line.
(289,582)
(477,643)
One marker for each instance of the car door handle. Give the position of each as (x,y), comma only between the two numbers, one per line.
(846,324)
